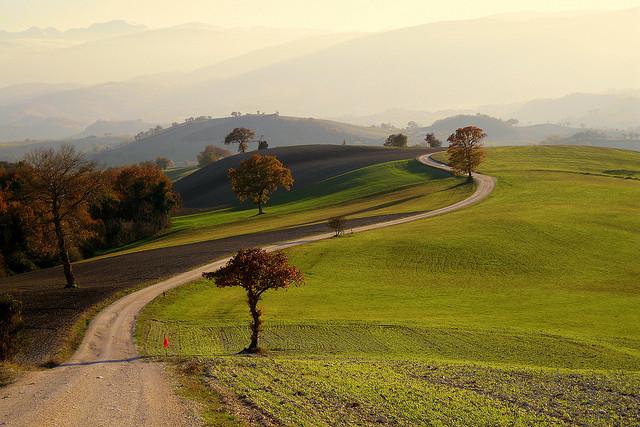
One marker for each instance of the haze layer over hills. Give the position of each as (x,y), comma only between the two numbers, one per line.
(204,70)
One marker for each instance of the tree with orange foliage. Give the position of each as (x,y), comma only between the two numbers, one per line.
(138,204)
(60,187)
(258,177)
(256,271)
(465,150)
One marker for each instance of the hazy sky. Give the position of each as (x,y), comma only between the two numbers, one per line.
(339,15)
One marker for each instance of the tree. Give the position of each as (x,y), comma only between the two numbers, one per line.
(163,162)
(10,323)
(60,187)
(258,177)
(433,142)
(20,242)
(465,150)
(256,271)
(337,224)
(396,140)
(138,204)
(262,143)
(211,154)
(240,136)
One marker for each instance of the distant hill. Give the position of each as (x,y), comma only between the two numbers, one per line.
(594,110)
(415,69)
(183,142)
(15,151)
(209,187)
(115,128)
(624,140)
(499,132)
(119,51)
(37,127)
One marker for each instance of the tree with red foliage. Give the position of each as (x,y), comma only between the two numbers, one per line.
(256,271)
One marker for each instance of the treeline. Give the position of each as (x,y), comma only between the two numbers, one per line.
(56,206)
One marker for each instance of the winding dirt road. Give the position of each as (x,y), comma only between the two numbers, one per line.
(106,383)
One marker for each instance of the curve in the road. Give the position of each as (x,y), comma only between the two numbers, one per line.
(106,384)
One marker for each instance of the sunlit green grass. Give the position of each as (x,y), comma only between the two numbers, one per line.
(548,253)
(538,285)
(393,187)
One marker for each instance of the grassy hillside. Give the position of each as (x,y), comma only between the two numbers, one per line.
(519,310)
(210,187)
(183,142)
(401,186)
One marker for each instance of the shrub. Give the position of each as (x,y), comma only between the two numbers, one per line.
(10,323)
(337,224)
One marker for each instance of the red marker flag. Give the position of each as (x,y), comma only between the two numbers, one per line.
(165,342)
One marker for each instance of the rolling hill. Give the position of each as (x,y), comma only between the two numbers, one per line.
(209,187)
(419,70)
(183,142)
(15,151)
(520,310)
(499,132)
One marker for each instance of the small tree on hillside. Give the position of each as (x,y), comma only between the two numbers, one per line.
(10,323)
(262,143)
(211,154)
(337,224)
(60,186)
(258,177)
(396,140)
(256,271)
(240,136)
(163,163)
(465,150)
(433,142)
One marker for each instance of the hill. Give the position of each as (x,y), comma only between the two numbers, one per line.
(378,192)
(182,143)
(87,56)
(499,132)
(594,110)
(15,151)
(519,310)
(421,72)
(209,187)
(118,128)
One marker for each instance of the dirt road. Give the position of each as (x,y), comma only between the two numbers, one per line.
(106,384)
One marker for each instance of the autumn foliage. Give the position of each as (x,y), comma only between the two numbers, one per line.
(60,186)
(256,271)
(56,207)
(137,204)
(211,154)
(259,177)
(465,150)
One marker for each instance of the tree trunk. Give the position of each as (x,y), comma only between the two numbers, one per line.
(260,211)
(64,255)
(256,324)
(470,178)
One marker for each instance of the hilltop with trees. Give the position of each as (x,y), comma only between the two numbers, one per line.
(183,142)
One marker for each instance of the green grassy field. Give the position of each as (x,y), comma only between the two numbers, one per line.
(393,187)
(522,310)
(175,174)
